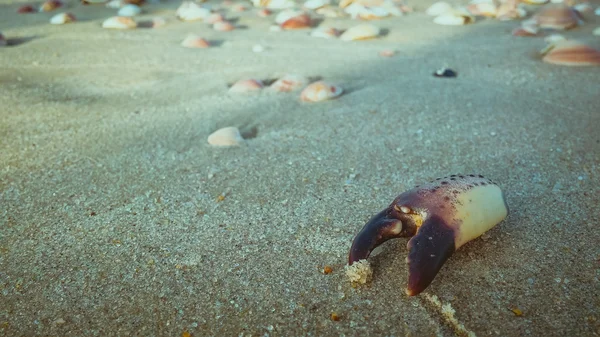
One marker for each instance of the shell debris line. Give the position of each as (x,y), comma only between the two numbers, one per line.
(447,314)
(359,273)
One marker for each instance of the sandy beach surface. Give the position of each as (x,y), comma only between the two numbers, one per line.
(117,218)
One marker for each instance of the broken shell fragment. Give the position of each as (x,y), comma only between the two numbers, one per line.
(487,9)
(438,8)
(263,13)
(129,10)
(158,22)
(325,32)
(443,215)
(245,86)
(359,272)
(320,91)
(229,136)
(50,5)
(195,41)
(26,9)
(214,18)
(62,18)
(288,83)
(361,32)
(510,10)
(454,18)
(223,26)
(557,16)
(445,72)
(190,11)
(571,53)
(119,22)
(290,19)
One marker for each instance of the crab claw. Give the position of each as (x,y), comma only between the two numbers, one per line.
(440,216)
(382,227)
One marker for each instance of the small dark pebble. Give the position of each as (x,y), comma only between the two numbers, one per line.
(445,72)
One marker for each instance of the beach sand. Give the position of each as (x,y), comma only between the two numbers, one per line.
(118,219)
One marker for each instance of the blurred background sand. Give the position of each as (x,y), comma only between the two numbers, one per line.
(110,219)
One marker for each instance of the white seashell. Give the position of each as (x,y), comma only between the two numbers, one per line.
(115,4)
(274,4)
(330,12)
(320,91)
(292,19)
(229,136)
(223,26)
(245,86)
(62,18)
(129,10)
(438,8)
(454,18)
(315,4)
(554,38)
(360,32)
(358,11)
(325,32)
(119,22)
(288,83)
(3,41)
(195,41)
(190,11)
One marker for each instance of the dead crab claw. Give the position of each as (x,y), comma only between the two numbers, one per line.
(439,217)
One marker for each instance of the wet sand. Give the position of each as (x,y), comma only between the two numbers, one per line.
(118,219)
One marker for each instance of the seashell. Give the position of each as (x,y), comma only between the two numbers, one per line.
(158,22)
(62,18)
(387,53)
(526,30)
(597,11)
(135,2)
(454,18)
(554,38)
(316,4)
(26,9)
(445,72)
(195,41)
(214,18)
(288,83)
(571,53)
(535,2)
(438,8)
(119,22)
(358,11)
(596,31)
(510,10)
(583,8)
(115,4)
(293,20)
(557,16)
(360,32)
(325,32)
(239,8)
(3,41)
(129,10)
(229,136)
(486,9)
(190,11)
(223,26)
(263,13)
(320,91)
(247,85)
(330,12)
(274,4)
(50,5)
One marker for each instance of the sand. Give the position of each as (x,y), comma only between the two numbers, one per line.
(118,219)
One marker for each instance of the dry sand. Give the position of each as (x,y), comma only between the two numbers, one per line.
(110,219)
